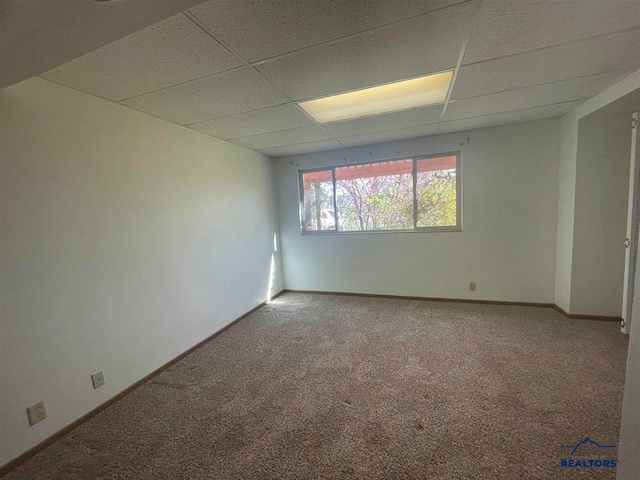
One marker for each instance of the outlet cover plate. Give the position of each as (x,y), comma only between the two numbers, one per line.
(472,286)
(36,413)
(98,379)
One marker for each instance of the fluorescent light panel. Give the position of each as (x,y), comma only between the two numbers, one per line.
(391,97)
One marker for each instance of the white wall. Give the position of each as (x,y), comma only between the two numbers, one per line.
(568,171)
(125,240)
(600,222)
(566,210)
(507,246)
(629,446)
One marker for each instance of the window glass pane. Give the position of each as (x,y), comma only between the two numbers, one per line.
(318,201)
(436,192)
(375,196)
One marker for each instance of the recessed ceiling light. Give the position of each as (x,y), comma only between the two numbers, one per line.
(391,97)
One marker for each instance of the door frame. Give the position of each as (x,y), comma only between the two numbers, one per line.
(631,242)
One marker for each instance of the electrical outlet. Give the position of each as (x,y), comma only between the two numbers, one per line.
(36,413)
(472,285)
(98,379)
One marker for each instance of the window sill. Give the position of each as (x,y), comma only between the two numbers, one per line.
(369,232)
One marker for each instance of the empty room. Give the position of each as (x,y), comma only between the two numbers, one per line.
(319,239)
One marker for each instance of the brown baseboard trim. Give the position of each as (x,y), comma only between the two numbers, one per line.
(427,299)
(8,467)
(466,300)
(587,317)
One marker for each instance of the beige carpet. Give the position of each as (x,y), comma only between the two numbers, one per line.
(318,386)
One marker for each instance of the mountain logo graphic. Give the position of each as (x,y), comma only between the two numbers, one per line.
(584,444)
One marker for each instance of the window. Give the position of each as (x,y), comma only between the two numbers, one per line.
(318,199)
(411,194)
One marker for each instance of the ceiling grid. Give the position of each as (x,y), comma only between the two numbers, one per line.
(247,64)
(238,70)
(463,50)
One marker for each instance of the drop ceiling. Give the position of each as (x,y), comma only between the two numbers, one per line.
(37,35)
(236,70)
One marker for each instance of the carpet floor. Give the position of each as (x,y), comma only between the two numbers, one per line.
(324,387)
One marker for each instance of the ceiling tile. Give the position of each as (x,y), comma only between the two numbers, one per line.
(377,123)
(75,76)
(616,51)
(537,113)
(507,27)
(419,46)
(229,93)
(172,51)
(302,148)
(550,93)
(293,136)
(389,135)
(36,36)
(265,120)
(258,30)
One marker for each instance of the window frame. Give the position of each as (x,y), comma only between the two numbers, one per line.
(414,158)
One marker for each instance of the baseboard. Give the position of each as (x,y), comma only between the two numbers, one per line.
(587,317)
(11,465)
(428,299)
(8,467)
(466,300)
